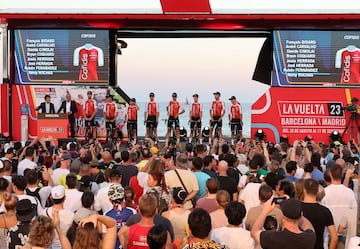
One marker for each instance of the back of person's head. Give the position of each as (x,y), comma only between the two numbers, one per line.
(241,158)
(87,199)
(311,187)
(199,223)
(309,167)
(32,176)
(156,237)
(29,152)
(133,157)
(230,158)
(42,232)
(265,192)
(71,181)
(291,166)
(235,213)
(225,148)
(179,195)
(197,162)
(207,160)
(199,149)
(299,189)
(315,159)
(19,182)
(125,155)
(270,223)
(272,179)
(287,187)
(336,172)
(182,160)
(260,159)
(4,184)
(129,193)
(10,201)
(222,198)
(87,236)
(147,205)
(212,185)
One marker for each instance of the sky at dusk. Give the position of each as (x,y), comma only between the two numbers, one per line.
(188,66)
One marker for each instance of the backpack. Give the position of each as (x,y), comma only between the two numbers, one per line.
(34,193)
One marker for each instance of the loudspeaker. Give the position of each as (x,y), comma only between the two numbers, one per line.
(264,63)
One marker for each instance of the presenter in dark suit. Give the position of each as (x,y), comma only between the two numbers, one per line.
(69,107)
(47,106)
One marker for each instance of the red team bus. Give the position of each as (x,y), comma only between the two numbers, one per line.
(310,57)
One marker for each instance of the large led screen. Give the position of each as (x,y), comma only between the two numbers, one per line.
(45,56)
(329,58)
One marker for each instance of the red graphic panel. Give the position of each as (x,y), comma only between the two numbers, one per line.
(186,6)
(298,112)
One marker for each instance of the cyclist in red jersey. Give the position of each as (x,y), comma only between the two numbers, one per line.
(235,118)
(110,112)
(151,116)
(195,117)
(89,108)
(217,111)
(131,118)
(173,110)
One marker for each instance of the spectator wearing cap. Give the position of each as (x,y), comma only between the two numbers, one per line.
(102,202)
(79,215)
(6,167)
(19,186)
(177,214)
(173,109)
(66,216)
(65,163)
(73,195)
(175,177)
(19,234)
(297,232)
(68,106)
(121,215)
(27,162)
(217,111)
(234,235)
(128,167)
(151,116)
(195,116)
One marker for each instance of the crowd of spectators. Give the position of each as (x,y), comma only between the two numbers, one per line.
(248,195)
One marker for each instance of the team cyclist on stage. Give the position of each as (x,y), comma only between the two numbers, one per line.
(173,109)
(195,118)
(235,118)
(89,113)
(217,111)
(110,113)
(131,119)
(151,117)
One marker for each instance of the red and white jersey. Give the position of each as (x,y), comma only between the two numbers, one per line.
(174,108)
(131,112)
(196,109)
(350,61)
(89,107)
(88,64)
(217,108)
(152,108)
(235,111)
(110,110)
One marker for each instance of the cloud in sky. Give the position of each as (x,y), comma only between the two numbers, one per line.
(190,65)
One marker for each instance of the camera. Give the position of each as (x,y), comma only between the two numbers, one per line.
(277,200)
